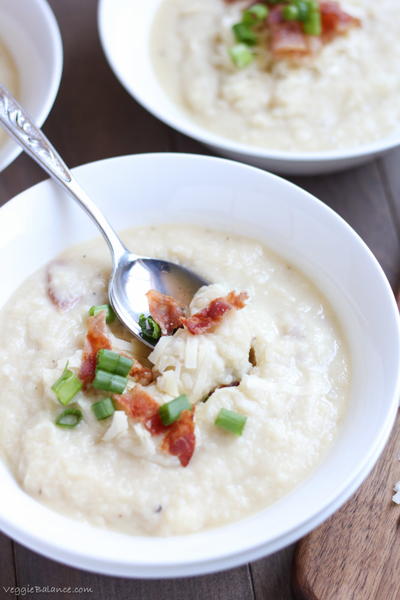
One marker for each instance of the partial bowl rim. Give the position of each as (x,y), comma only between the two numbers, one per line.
(197,132)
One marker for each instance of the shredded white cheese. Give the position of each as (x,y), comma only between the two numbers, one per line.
(118,425)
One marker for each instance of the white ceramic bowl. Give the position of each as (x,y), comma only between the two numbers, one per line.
(162,188)
(30,33)
(129,58)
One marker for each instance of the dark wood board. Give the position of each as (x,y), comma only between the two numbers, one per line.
(94,118)
(355,555)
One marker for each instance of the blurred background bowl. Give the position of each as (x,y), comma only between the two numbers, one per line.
(29,31)
(129,58)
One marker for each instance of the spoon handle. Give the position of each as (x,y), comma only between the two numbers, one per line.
(21,127)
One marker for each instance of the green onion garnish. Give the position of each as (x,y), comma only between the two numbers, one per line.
(312,26)
(70,417)
(231,421)
(291,12)
(66,386)
(241,55)
(103,408)
(170,411)
(108,382)
(95,310)
(150,329)
(255,15)
(303,9)
(244,34)
(112,362)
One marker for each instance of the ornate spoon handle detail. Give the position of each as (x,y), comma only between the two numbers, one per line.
(34,142)
(21,127)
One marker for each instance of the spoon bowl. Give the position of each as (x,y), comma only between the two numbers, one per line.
(132,276)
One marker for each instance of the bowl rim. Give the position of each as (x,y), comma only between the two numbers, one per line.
(54,79)
(196,131)
(54,549)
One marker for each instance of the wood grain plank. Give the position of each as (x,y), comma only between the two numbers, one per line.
(21,174)
(390,172)
(34,569)
(7,570)
(270,576)
(355,554)
(94,117)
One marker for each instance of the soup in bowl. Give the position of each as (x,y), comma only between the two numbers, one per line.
(249,422)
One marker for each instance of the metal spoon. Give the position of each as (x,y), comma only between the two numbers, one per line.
(132,275)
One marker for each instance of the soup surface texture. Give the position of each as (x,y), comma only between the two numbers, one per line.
(280,361)
(344,95)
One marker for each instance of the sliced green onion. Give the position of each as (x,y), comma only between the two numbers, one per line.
(70,417)
(303,9)
(110,314)
(231,421)
(291,12)
(150,329)
(66,386)
(170,411)
(244,34)
(255,15)
(108,382)
(103,409)
(312,26)
(112,362)
(241,55)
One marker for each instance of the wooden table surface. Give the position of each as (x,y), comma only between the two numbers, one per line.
(94,118)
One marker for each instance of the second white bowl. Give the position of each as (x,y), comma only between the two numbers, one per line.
(129,58)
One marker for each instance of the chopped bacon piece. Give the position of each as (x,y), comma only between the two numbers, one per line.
(96,339)
(208,318)
(336,21)
(59,289)
(287,37)
(165,310)
(180,440)
(141,374)
(139,405)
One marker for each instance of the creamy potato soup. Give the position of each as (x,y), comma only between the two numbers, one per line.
(269,84)
(237,403)
(9,78)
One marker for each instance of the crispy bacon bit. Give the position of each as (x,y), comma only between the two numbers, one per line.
(96,339)
(336,21)
(165,310)
(139,405)
(141,374)
(180,440)
(208,318)
(287,37)
(59,293)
